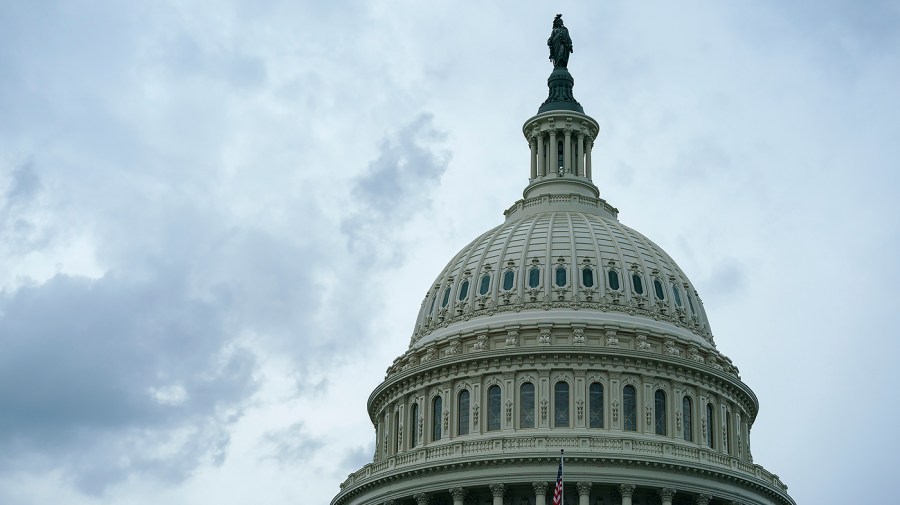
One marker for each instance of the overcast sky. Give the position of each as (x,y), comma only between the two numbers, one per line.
(218,220)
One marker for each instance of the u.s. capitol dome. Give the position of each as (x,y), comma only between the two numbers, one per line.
(562,329)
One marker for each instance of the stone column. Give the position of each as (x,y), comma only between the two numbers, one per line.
(458,494)
(666,494)
(542,156)
(579,159)
(584,493)
(532,145)
(497,492)
(626,490)
(703,499)
(421,498)
(587,157)
(554,153)
(540,492)
(567,150)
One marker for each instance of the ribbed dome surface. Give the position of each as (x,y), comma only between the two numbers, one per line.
(583,261)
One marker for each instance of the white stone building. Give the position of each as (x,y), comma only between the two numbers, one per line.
(562,329)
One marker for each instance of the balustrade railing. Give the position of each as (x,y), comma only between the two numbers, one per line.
(533,445)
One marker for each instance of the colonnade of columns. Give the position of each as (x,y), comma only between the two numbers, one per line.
(576,156)
(500,495)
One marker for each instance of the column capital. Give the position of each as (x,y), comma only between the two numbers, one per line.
(421,498)
(626,490)
(458,493)
(667,493)
(584,488)
(497,490)
(540,487)
(703,499)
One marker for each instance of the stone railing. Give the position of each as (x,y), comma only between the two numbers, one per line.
(576,446)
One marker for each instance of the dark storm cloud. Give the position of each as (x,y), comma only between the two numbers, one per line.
(91,369)
(398,183)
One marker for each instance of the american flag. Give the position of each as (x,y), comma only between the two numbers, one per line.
(558,492)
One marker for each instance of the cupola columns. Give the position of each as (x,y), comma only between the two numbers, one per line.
(560,145)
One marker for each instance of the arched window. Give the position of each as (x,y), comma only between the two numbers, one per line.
(559,154)
(462,413)
(658,288)
(446,298)
(690,302)
(613,278)
(485,284)
(660,404)
(436,417)
(561,277)
(709,426)
(676,294)
(561,405)
(464,290)
(526,405)
(493,410)
(638,283)
(509,278)
(587,277)
(687,410)
(629,408)
(396,436)
(726,442)
(413,424)
(534,277)
(433,301)
(595,405)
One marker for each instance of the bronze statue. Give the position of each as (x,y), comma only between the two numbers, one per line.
(560,43)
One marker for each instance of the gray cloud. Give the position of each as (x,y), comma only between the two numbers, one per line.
(290,446)
(398,183)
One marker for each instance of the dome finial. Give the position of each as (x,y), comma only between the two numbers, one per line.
(560,43)
(560,81)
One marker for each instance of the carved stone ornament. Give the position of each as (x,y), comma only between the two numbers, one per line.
(475,414)
(626,490)
(678,420)
(694,354)
(544,404)
(544,337)
(512,338)
(649,411)
(421,498)
(578,336)
(540,487)
(703,499)
(446,416)
(704,429)
(584,488)
(579,407)
(642,344)
(666,494)
(497,490)
(458,493)
(509,406)
(480,342)
(611,339)
(670,349)
(453,348)
(421,422)
(615,411)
